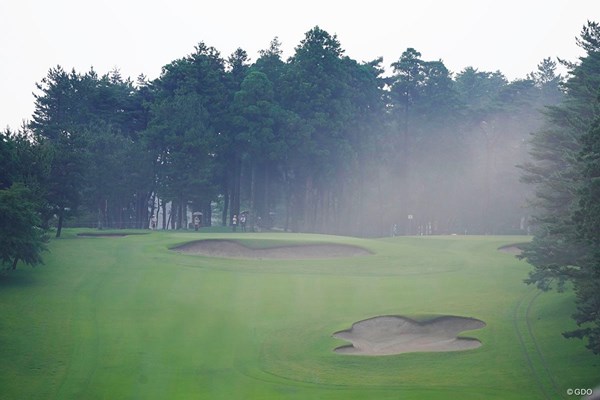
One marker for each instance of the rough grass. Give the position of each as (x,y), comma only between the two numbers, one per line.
(125,318)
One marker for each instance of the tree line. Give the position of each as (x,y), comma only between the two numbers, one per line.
(318,142)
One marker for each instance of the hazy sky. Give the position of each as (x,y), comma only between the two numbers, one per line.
(141,36)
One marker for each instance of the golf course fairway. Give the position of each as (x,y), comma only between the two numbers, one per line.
(130,318)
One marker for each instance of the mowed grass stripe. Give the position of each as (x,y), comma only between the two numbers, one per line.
(128,318)
(533,358)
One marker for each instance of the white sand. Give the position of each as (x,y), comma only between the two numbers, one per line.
(387,335)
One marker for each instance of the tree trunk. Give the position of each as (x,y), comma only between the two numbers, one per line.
(14,264)
(183,214)
(207,214)
(173,215)
(170,217)
(105,220)
(179,220)
(100,224)
(237,179)
(288,199)
(266,198)
(306,214)
(253,187)
(164,214)
(356,210)
(141,215)
(120,225)
(381,210)
(60,222)
(152,210)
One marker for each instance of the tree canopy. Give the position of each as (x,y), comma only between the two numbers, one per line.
(564,171)
(318,142)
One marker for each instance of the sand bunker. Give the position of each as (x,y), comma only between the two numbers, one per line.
(109,234)
(101,234)
(232,249)
(387,335)
(513,249)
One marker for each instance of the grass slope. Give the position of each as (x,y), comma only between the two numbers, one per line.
(126,318)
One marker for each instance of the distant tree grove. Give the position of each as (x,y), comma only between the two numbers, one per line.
(319,143)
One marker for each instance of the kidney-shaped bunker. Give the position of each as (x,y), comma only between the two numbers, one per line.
(278,250)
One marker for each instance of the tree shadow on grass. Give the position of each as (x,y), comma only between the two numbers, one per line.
(15,279)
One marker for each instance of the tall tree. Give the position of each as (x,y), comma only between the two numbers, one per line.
(55,121)
(587,221)
(69,108)
(183,142)
(187,129)
(22,237)
(317,90)
(425,110)
(479,90)
(25,166)
(232,155)
(280,182)
(564,173)
(548,81)
(254,117)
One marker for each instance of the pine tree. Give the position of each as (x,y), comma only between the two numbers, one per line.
(22,237)
(565,174)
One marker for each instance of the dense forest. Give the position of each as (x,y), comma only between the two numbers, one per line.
(320,143)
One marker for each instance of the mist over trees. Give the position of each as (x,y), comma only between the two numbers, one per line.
(316,143)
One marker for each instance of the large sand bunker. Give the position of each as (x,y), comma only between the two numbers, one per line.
(387,335)
(101,234)
(233,249)
(109,234)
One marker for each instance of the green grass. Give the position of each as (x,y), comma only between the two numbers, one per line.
(126,318)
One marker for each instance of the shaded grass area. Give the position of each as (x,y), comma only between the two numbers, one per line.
(127,318)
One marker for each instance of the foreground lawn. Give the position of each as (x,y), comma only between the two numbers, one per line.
(126,318)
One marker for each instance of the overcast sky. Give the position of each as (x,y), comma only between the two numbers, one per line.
(141,36)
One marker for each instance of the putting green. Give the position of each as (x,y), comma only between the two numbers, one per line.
(126,318)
